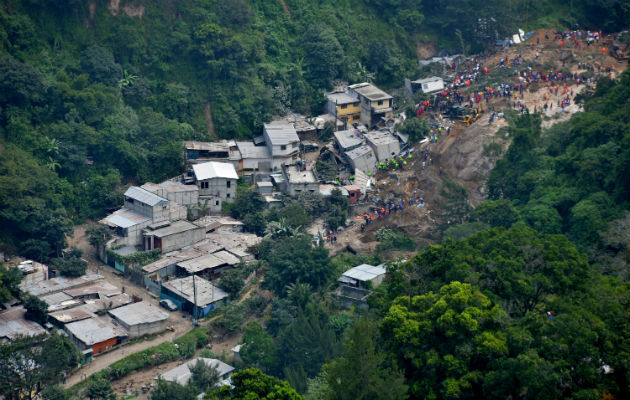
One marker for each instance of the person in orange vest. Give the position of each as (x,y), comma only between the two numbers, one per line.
(603,50)
(561,43)
(485,69)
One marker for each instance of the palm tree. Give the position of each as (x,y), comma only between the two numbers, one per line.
(52,164)
(278,229)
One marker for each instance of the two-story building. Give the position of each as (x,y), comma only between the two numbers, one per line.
(300,180)
(141,209)
(385,145)
(216,182)
(374,103)
(282,141)
(345,106)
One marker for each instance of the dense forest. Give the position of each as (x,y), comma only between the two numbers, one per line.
(528,298)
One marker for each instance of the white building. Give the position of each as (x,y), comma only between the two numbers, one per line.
(140,318)
(282,141)
(216,182)
(181,374)
(362,158)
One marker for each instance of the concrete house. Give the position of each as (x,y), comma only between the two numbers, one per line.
(182,293)
(255,157)
(170,236)
(140,318)
(348,140)
(282,141)
(362,158)
(428,85)
(300,180)
(359,276)
(385,145)
(375,103)
(141,209)
(216,182)
(345,106)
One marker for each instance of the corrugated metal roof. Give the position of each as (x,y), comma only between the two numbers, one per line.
(181,374)
(13,324)
(249,150)
(94,330)
(71,315)
(281,132)
(364,272)
(213,169)
(144,196)
(59,284)
(207,146)
(139,313)
(207,293)
(173,229)
(99,287)
(124,218)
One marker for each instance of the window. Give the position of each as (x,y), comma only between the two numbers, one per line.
(217,203)
(229,183)
(204,185)
(130,200)
(283,147)
(227,195)
(380,103)
(356,117)
(344,106)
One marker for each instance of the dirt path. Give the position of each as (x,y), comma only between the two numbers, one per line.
(209,122)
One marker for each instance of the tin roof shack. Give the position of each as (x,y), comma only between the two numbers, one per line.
(60,318)
(375,103)
(97,333)
(176,192)
(384,144)
(224,151)
(172,236)
(362,158)
(182,293)
(300,180)
(356,283)
(181,374)
(348,140)
(209,265)
(345,106)
(216,182)
(13,324)
(282,141)
(94,291)
(360,276)
(140,318)
(428,85)
(59,284)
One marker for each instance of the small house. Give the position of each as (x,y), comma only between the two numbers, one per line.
(427,85)
(354,193)
(264,187)
(385,145)
(348,140)
(198,300)
(282,141)
(201,152)
(255,157)
(97,333)
(181,374)
(140,318)
(359,276)
(216,182)
(171,236)
(300,180)
(362,158)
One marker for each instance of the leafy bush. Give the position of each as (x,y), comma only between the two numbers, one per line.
(392,240)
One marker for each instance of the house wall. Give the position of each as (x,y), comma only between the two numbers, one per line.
(289,150)
(145,329)
(297,188)
(132,235)
(182,239)
(157,213)
(385,151)
(218,187)
(366,163)
(184,198)
(98,348)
